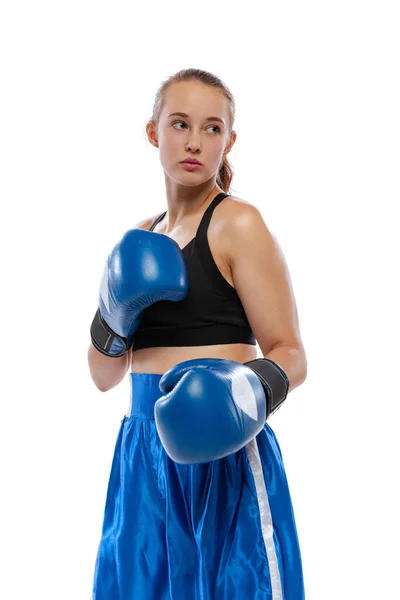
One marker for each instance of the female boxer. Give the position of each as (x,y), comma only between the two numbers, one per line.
(198,505)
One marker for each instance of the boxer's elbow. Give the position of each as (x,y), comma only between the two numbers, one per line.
(107,372)
(101,387)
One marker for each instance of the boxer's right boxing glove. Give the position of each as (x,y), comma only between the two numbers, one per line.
(143,268)
(211,408)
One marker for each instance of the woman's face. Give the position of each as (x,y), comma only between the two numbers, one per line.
(195,135)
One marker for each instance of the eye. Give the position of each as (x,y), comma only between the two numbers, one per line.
(177,122)
(216,127)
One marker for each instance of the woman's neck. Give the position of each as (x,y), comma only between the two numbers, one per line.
(184,202)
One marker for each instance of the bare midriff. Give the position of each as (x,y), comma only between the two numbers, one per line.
(159,360)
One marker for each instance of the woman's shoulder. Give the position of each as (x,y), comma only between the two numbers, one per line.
(235,213)
(236,222)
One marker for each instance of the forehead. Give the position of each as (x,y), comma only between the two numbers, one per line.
(195,99)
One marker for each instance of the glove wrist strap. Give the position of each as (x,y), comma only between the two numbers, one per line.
(274,381)
(103,337)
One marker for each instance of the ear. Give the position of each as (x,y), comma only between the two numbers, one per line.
(232,140)
(152,133)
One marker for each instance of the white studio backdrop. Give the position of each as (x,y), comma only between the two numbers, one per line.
(317,92)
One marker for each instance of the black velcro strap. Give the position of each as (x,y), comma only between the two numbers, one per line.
(103,336)
(274,381)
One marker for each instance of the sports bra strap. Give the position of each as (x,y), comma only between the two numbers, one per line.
(204,252)
(159,218)
(205,221)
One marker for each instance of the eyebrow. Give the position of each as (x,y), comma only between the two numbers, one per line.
(181,114)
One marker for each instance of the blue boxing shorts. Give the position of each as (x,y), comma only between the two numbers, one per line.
(222,530)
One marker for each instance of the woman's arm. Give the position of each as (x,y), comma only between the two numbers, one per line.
(107,371)
(262,281)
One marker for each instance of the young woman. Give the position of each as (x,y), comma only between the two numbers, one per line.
(198,505)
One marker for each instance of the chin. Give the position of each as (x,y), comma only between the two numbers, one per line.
(187,178)
(191,182)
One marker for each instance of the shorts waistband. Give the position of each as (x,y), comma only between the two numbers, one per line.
(144,394)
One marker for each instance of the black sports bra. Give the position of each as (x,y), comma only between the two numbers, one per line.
(211,313)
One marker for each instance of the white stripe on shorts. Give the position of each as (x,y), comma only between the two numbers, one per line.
(266,518)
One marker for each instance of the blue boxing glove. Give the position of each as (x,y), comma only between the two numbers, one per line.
(211,408)
(143,268)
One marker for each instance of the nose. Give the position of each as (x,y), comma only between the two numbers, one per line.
(193,143)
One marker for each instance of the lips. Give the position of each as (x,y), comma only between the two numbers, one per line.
(190,166)
(191,161)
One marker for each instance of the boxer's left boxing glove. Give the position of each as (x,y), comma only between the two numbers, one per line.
(143,268)
(211,408)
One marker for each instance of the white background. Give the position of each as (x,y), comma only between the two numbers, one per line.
(317,92)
